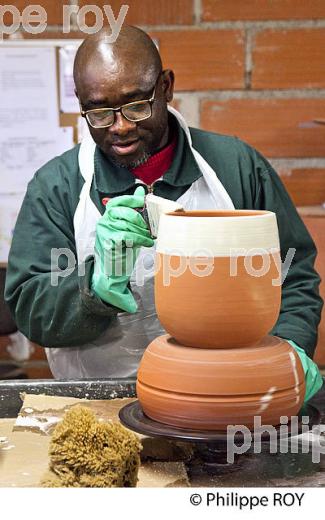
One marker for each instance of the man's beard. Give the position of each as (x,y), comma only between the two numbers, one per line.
(134,164)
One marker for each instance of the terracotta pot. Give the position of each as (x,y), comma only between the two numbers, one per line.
(208,389)
(218,281)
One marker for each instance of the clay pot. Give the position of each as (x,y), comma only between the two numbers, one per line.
(208,389)
(218,277)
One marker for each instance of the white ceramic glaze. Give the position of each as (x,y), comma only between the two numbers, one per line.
(226,233)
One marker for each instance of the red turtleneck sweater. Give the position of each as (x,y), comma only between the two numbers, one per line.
(156,165)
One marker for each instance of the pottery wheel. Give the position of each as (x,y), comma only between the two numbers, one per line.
(133,417)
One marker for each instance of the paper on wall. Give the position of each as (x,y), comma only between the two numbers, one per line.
(28,89)
(29,121)
(68,100)
(22,154)
(29,127)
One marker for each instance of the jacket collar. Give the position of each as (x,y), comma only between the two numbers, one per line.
(112,179)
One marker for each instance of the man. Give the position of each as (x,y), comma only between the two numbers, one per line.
(96,324)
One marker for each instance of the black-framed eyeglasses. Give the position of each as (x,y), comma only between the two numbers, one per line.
(135,112)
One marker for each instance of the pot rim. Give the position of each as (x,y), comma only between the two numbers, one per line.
(217,232)
(221,213)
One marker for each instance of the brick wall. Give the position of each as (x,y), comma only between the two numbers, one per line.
(253,68)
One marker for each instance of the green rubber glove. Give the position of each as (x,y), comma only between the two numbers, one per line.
(120,233)
(313,378)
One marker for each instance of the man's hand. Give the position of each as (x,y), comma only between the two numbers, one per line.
(120,233)
(313,378)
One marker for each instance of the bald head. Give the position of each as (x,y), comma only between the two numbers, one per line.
(133,51)
(111,75)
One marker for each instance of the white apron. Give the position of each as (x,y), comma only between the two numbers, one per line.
(117,352)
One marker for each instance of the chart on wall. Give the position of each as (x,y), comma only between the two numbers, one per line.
(30,134)
(68,100)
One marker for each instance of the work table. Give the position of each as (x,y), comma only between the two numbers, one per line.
(248,470)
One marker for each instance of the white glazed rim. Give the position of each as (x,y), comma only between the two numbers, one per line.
(187,235)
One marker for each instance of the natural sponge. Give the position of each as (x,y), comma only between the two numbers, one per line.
(87,453)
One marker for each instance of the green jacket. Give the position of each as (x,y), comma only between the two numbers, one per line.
(68,314)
